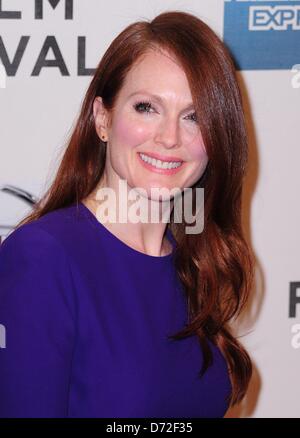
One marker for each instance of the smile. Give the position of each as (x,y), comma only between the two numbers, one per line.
(160,166)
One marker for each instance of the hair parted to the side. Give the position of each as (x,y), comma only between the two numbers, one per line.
(215,266)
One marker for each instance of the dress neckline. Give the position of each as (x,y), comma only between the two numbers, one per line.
(87,212)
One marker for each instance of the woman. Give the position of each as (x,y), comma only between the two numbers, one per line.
(126,318)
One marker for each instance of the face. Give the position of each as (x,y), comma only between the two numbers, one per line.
(153,116)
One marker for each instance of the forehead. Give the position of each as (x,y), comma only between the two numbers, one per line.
(157,71)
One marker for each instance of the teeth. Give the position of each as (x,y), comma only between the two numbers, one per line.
(160,164)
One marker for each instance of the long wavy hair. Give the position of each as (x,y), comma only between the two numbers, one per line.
(216,265)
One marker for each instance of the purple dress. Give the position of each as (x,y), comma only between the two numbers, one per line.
(87,320)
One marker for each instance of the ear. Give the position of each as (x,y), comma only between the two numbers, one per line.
(100,117)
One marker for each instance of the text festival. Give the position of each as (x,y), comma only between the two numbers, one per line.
(12,62)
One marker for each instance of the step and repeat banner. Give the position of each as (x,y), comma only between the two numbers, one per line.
(48,52)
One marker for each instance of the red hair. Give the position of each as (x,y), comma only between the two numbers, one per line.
(215,266)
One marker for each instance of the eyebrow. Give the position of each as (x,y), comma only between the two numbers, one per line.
(158,98)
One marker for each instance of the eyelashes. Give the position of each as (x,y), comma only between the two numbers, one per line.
(145,106)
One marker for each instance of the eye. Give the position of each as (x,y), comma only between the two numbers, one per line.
(193,117)
(145,106)
(142,107)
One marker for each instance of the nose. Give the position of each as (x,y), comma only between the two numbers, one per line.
(168,132)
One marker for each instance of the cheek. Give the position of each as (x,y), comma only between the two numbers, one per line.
(130,133)
(197,150)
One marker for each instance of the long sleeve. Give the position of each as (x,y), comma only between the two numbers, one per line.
(38,318)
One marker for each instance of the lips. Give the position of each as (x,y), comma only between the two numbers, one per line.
(159,170)
(162,157)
